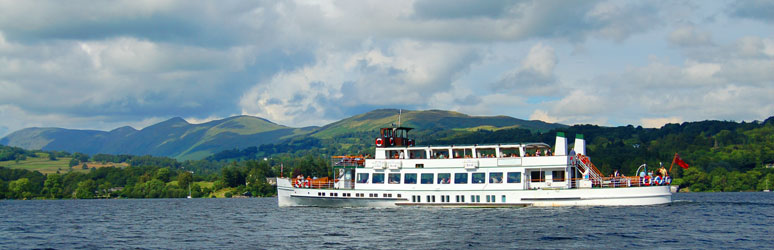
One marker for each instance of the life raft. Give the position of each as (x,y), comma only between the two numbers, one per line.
(658,180)
(300,183)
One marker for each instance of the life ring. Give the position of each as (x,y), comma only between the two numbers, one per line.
(392,141)
(668,180)
(307,184)
(646,180)
(379,142)
(297,183)
(658,181)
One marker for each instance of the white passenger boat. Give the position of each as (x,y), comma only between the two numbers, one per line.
(496,175)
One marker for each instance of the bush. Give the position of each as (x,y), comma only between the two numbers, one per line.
(228,195)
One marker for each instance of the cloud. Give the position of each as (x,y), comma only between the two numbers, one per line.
(752,9)
(659,122)
(100,64)
(690,36)
(534,76)
(341,83)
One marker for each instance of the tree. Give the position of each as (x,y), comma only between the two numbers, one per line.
(53,186)
(162,174)
(184,179)
(85,190)
(73,162)
(84,166)
(21,188)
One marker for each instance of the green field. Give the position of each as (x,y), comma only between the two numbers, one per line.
(42,164)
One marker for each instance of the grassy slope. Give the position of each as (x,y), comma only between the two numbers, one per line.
(422,120)
(45,166)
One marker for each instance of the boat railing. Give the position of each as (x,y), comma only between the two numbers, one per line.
(618,182)
(323,184)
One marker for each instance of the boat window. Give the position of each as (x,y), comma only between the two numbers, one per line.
(495,177)
(557,175)
(395,154)
(440,154)
(387,133)
(509,152)
(427,179)
(478,177)
(514,177)
(394,178)
(400,133)
(410,179)
(460,178)
(417,154)
(463,153)
(444,178)
(362,178)
(378,178)
(485,153)
(537,176)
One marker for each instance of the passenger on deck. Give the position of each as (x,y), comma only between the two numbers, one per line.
(548,152)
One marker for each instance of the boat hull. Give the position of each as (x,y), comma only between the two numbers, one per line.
(628,196)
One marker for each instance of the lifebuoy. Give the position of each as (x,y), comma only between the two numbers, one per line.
(307,184)
(392,141)
(668,180)
(658,180)
(379,142)
(297,183)
(646,180)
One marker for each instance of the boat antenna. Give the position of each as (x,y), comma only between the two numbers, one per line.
(400,112)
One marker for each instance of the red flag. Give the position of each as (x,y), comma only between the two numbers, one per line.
(680,162)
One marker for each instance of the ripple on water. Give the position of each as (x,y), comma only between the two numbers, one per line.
(719,220)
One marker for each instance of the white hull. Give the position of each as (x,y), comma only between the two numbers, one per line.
(625,196)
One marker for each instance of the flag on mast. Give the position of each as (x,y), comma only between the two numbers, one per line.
(680,162)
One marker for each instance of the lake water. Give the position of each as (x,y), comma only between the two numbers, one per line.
(694,220)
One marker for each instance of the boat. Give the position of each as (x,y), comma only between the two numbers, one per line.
(401,173)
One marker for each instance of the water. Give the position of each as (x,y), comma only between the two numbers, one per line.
(695,220)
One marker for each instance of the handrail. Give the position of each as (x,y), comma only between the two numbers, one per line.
(587,165)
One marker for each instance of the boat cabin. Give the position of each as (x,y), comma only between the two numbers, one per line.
(394,137)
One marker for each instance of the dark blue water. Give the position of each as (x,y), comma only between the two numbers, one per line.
(695,220)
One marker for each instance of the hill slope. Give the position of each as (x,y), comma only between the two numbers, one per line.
(179,139)
(174,137)
(425,122)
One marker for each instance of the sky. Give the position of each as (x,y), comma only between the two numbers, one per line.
(106,64)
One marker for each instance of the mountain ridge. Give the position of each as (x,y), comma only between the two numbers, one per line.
(176,137)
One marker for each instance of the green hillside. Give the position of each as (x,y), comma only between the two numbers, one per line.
(174,138)
(425,122)
(184,141)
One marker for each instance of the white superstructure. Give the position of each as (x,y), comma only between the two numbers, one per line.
(523,174)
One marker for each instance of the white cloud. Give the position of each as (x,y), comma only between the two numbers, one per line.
(688,35)
(659,122)
(308,63)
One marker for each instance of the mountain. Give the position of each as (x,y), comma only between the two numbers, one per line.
(182,140)
(174,138)
(426,122)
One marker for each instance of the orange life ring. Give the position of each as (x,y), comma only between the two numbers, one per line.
(646,180)
(379,142)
